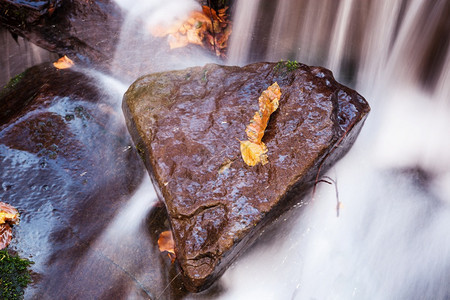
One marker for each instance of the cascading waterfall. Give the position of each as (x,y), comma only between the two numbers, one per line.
(360,38)
(391,239)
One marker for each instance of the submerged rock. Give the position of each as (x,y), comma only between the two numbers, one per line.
(187,126)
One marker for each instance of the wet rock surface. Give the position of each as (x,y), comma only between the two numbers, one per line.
(86,31)
(68,165)
(187,126)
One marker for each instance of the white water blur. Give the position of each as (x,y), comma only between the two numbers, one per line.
(139,53)
(242,31)
(118,243)
(392,238)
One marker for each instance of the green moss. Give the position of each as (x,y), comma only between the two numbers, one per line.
(15,80)
(287,66)
(204,77)
(12,83)
(14,275)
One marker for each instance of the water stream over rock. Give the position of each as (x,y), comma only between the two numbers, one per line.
(390,240)
(91,222)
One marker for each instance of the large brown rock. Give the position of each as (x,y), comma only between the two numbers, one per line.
(187,125)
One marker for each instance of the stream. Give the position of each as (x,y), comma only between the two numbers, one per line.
(389,238)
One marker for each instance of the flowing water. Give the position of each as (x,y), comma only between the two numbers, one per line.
(392,237)
(391,240)
(139,53)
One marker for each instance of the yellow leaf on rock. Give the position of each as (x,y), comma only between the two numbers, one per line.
(268,103)
(166,243)
(254,151)
(63,63)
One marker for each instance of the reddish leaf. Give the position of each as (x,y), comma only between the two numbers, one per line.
(211,13)
(8,216)
(5,235)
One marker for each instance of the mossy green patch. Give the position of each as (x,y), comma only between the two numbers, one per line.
(287,66)
(14,275)
(12,83)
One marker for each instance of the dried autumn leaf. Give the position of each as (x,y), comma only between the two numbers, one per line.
(268,103)
(166,243)
(8,213)
(222,12)
(211,13)
(63,63)
(254,151)
(8,216)
(225,166)
(5,235)
(206,28)
(222,39)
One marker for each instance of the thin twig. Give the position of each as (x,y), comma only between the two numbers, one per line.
(338,203)
(333,181)
(159,296)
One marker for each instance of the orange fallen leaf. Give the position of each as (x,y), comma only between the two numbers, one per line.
(211,13)
(166,243)
(206,28)
(254,153)
(8,216)
(8,213)
(222,12)
(268,103)
(63,63)
(254,150)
